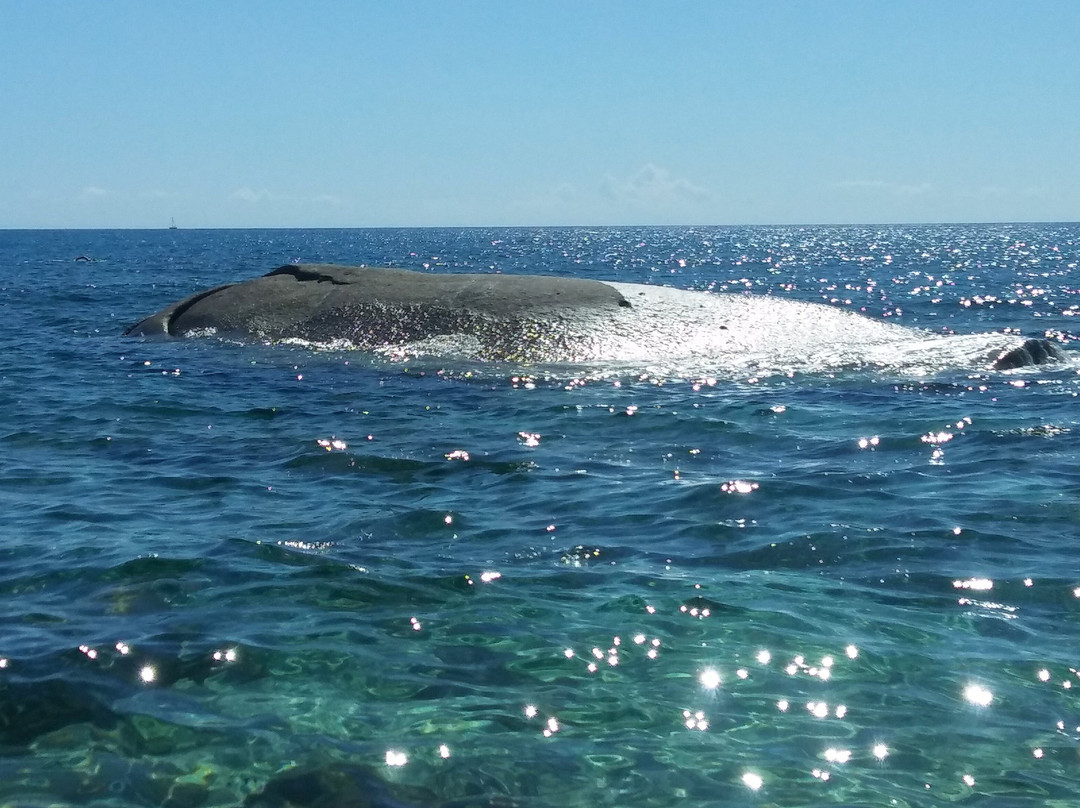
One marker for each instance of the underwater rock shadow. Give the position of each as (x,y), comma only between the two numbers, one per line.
(346,785)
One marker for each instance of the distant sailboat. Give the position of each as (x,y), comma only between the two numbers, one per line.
(172,223)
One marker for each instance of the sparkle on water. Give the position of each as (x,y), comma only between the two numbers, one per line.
(398,580)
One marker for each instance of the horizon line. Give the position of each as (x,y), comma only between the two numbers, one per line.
(169,228)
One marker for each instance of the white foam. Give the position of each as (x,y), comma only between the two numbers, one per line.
(674,332)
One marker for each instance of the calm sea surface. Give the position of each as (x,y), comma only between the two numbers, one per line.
(274,575)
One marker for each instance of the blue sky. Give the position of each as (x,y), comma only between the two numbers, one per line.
(357,114)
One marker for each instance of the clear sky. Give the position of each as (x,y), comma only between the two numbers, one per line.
(345,113)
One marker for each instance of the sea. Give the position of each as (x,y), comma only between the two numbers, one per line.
(246,574)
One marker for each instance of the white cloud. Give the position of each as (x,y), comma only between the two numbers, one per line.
(93,192)
(914,190)
(252,196)
(651,194)
(654,187)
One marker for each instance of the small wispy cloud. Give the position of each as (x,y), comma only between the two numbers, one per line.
(252,196)
(651,193)
(93,192)
(653,187)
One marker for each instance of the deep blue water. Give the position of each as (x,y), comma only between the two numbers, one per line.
(300,577)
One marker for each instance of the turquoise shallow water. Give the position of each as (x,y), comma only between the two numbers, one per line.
(273,575)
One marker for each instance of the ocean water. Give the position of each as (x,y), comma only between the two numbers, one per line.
(273,575)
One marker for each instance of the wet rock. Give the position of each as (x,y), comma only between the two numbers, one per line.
(1032,352)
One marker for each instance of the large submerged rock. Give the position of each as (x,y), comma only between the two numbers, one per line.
(534,318)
